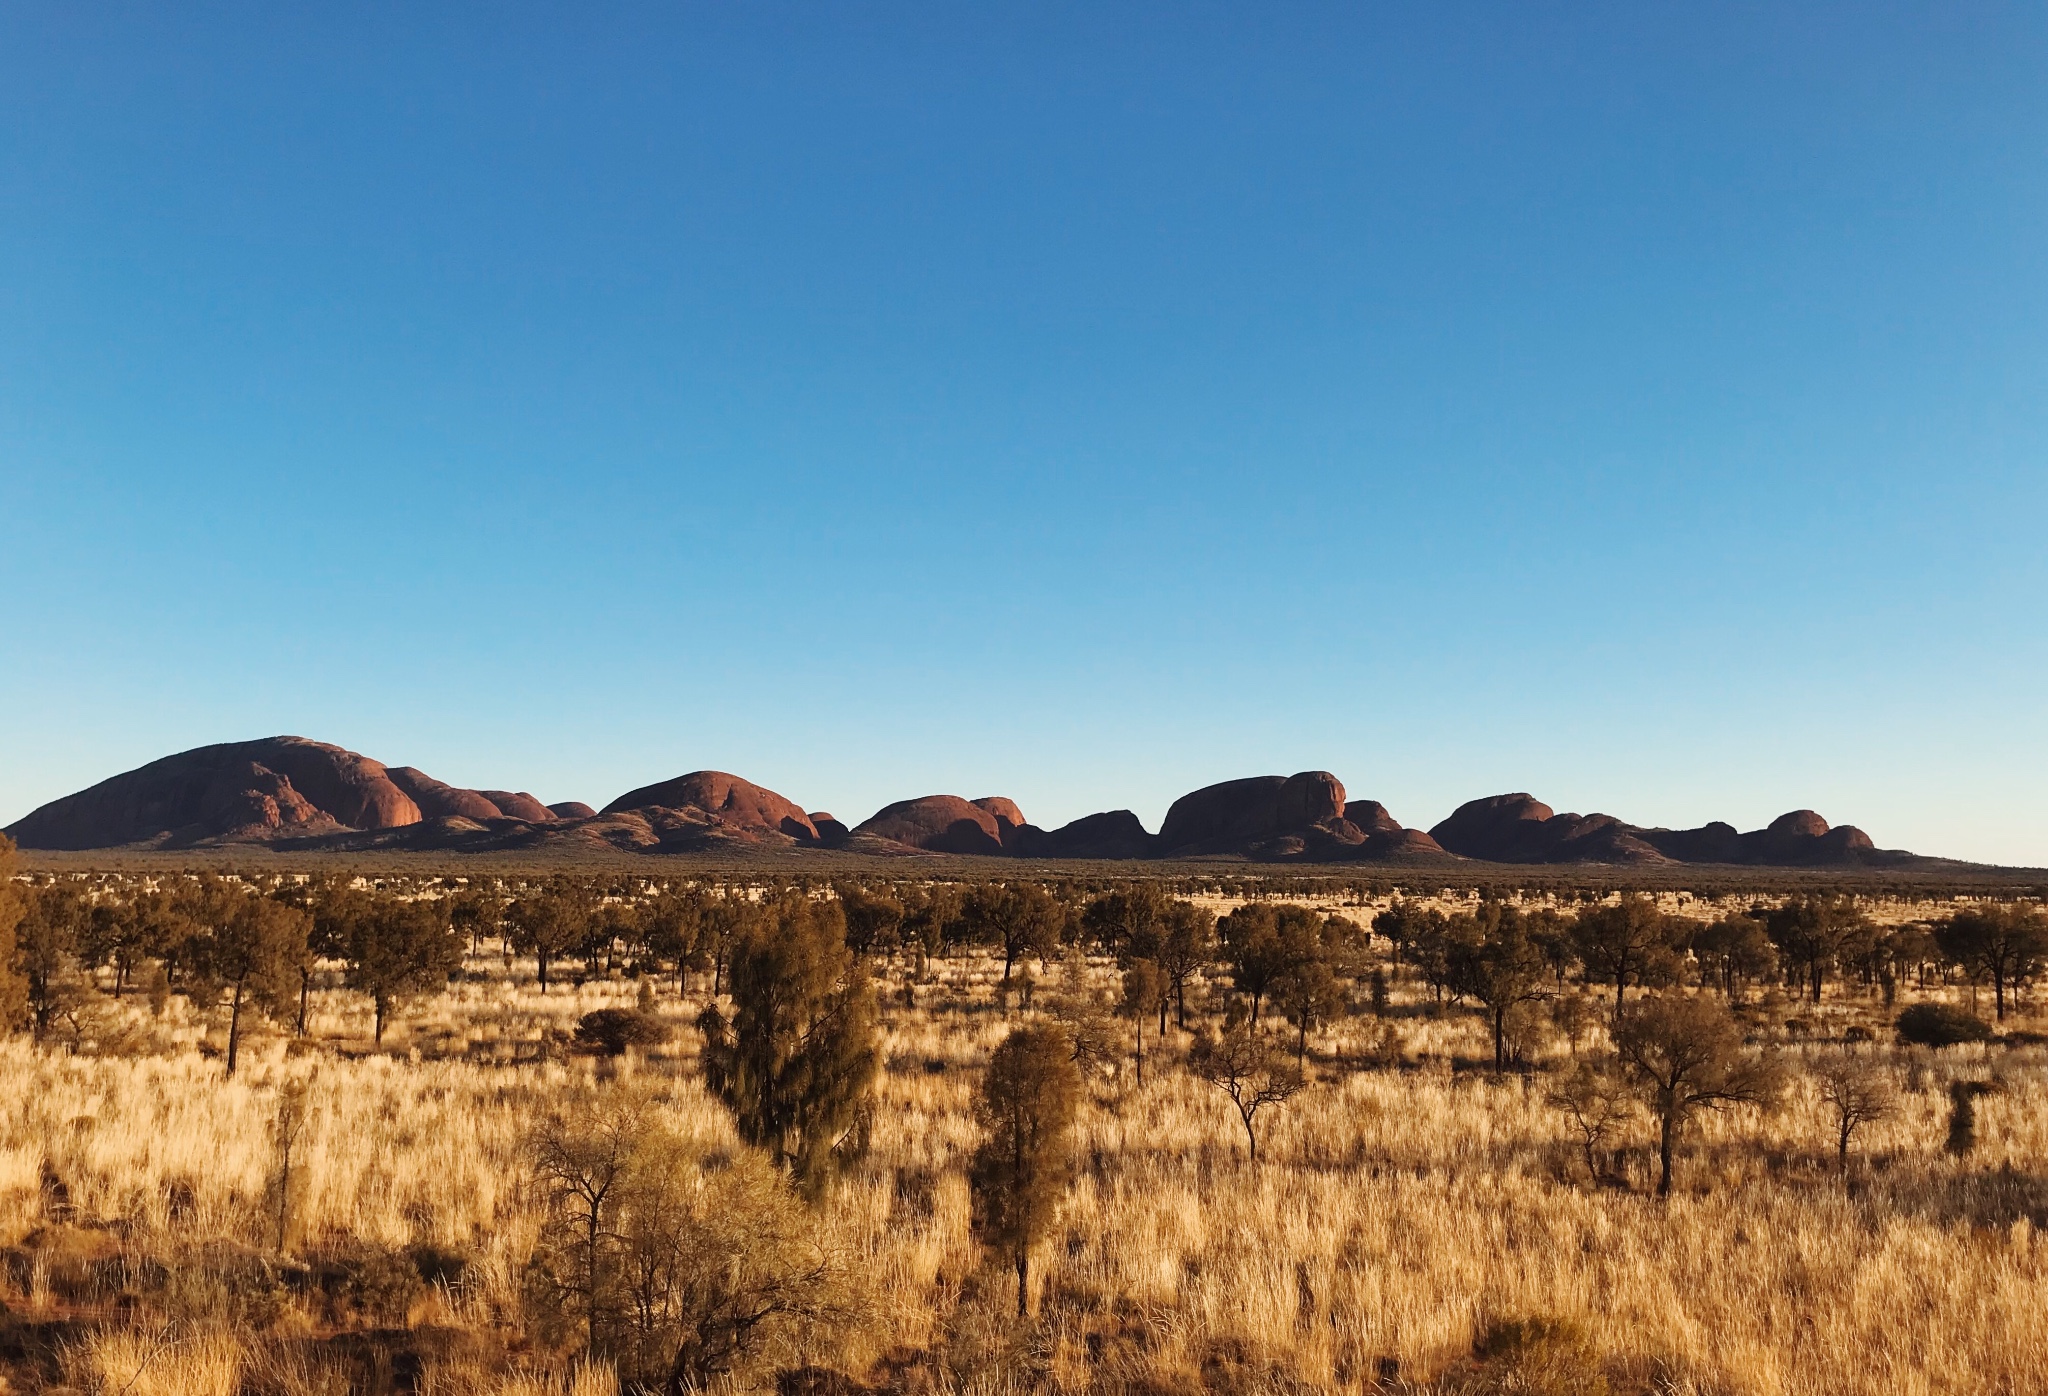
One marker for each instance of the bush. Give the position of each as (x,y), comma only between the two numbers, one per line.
(612,1030)
(1539,1356)
(1938,1025)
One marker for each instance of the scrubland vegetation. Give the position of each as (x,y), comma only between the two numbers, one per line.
(298,1136)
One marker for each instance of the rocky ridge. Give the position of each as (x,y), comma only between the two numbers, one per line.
(292,793)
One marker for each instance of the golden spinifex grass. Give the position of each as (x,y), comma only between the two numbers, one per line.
(1398,1211)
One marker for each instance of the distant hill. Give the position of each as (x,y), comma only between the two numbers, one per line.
(292,793)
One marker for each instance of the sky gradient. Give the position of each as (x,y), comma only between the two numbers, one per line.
(1642,406)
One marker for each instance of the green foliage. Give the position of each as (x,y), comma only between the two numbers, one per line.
(548,925)
(1494,959)
(1539,1356)
(1627,943)
(681,1265)
(1023,1165)
(1814,934)
(1940,1025)
(1129,922)
(1735,950)
(874,920)
(13,983)
(1685,1055)
(797,1058)
(612,1030)
(251,947)
(1962,1116)
(47,936)
(2005,944)
(1022,918)
(396,948)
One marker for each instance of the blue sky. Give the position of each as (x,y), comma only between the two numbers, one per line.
(1638,405)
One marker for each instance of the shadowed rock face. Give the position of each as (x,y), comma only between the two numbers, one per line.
(1114,834)
(1521,829)
(938,824)
(831,832)
(1005,812)
(517,804)
(1225,817)
(1371,816)
(438,800)
(278,787)
(738,805)
(572,809)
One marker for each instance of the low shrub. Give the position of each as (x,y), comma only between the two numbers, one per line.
(1938,1025)
(611,1031)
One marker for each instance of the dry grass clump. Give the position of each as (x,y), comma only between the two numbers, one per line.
(1415,1224)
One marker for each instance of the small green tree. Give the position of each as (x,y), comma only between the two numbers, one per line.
(1686,1055)
(251,951)
(1627,943)
(796,1059)
(1144,991)
(2005,944)
(1263,942)
(1186,946)
(1496,962)
(1022,918)
(678,1263)
(47,939)
(1023,1166)
(13,983)
(1246,1066)
(1734,950)
(1128,922)
(1811,934)
(1962,1115)
(674,932)
(874,920)
(395,948)
(547,925)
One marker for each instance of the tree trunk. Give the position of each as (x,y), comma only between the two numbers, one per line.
(1500,1038)
(1842,1146)
(1252,1135)
(1138,1025)
(305,995)
(378,1001)
(234,1027)
(1665,1128)
(1023,1280)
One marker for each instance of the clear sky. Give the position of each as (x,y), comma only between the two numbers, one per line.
(1641,405)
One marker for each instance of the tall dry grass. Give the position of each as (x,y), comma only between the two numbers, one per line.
(1398,1212)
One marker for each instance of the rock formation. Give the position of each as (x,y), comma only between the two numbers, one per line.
(736,805)
(1116,833)
(939,824)
(278,787)
(288,792)
(1519,828)
(1226,817)
(438,800)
